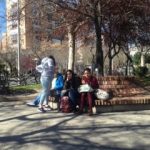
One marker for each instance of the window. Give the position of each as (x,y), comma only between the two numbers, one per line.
(36,22)
(14,39)
(14,26)
(22,41)
(49,17)
(14,6)
(13,14)
(35,12)
(37,38)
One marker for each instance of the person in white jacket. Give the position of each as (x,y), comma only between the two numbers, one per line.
(46,68)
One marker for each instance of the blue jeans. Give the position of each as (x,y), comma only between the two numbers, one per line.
(46,84)
(36,101)
(73,96)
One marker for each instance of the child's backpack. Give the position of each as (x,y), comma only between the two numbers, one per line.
(65,105)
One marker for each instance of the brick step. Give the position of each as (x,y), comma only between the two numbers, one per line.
(114,82)
(117,78)
(124,101)
(125,91)
(117,86)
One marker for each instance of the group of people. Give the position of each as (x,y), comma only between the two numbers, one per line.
(54,84)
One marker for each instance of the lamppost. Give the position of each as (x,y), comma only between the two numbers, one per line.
(18,42)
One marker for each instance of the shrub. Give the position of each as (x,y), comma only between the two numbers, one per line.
(141,71)
(4,82)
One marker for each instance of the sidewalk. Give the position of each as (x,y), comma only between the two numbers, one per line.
(24,98)
(23,128)
(21,97)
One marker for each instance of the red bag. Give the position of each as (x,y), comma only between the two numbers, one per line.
(65,105)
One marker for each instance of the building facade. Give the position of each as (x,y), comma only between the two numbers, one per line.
(3,43)
(30,21)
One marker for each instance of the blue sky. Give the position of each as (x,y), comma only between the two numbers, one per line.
(2,16)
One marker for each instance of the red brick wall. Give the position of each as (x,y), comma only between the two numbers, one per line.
(120,85)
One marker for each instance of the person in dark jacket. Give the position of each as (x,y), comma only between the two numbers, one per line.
(70,89)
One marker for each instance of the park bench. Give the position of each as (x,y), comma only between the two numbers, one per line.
(127,94)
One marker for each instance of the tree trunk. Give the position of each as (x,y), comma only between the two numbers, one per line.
(127,67)
(110,62)
(71,42)
(99,51)
(110,66)
(142,60)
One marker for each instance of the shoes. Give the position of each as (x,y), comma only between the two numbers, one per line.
(41,110)
(58,110)
(47,107)
(31,104)
(75,110)
(90,113)
(79,112)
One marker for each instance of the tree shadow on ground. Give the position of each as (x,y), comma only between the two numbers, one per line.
(64,136)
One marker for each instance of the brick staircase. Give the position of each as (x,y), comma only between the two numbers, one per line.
(126,91)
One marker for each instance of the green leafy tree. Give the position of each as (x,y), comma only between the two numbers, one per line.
(147,58)
(136,58)
(4,82)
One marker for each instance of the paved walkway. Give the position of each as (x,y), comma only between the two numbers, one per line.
(23,128)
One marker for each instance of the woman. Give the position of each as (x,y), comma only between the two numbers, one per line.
(46,68)
(56,87)
(71,84)
(87,78)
